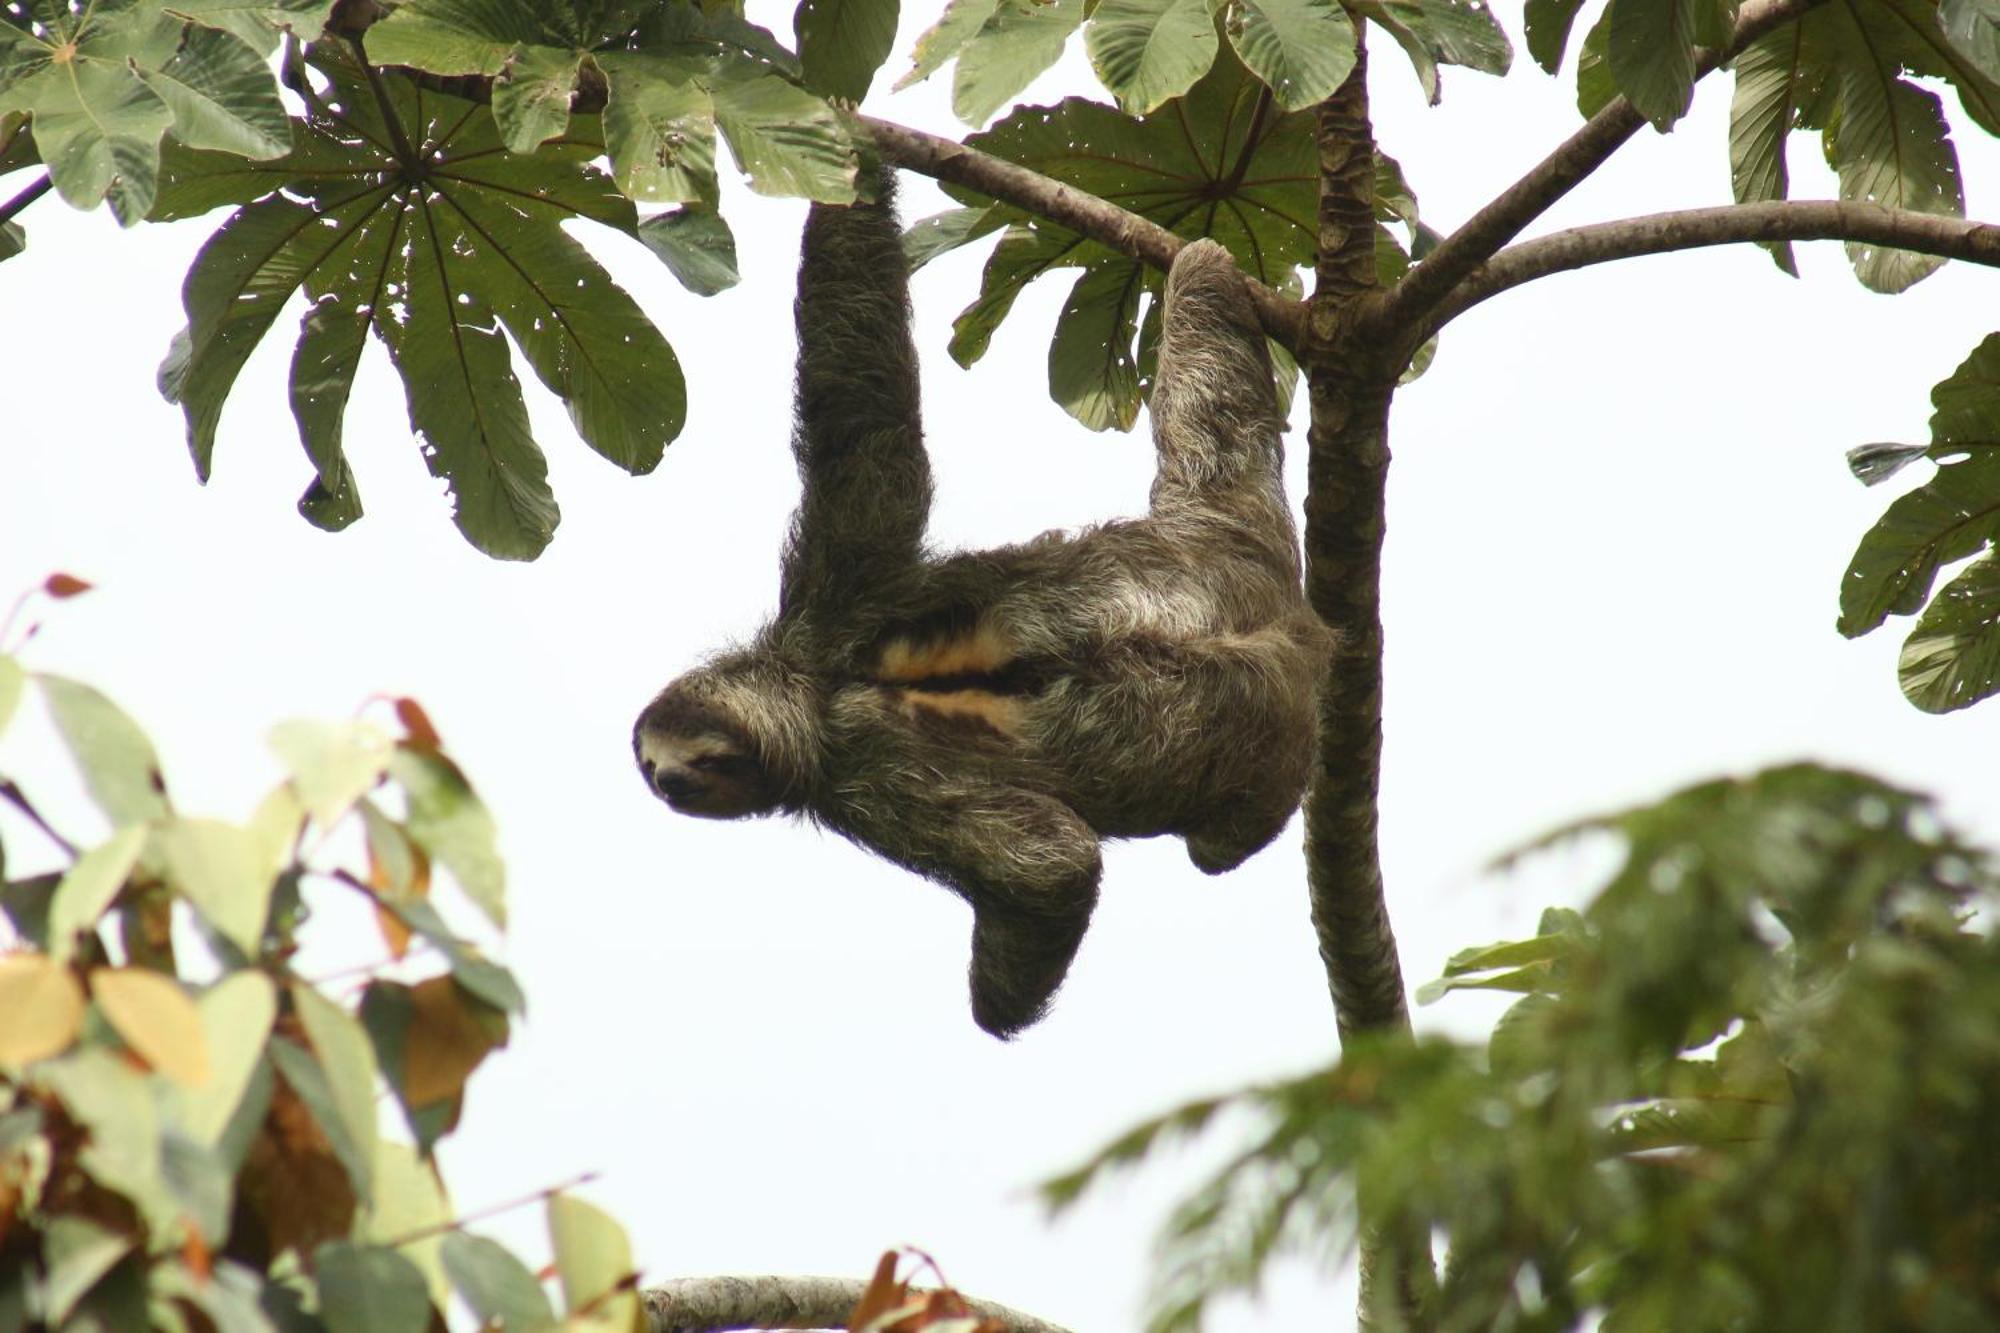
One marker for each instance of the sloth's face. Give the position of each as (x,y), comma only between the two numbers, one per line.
(698,762)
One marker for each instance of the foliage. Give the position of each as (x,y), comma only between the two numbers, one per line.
(188,1126)
(1749,1086)
(1952,657)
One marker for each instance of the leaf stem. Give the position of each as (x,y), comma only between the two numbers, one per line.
(28,196)
(399,138)
(464,1220)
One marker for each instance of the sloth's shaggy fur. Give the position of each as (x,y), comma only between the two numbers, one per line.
(983,718)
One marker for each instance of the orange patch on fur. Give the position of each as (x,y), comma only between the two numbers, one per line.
(997,712)
(983,649)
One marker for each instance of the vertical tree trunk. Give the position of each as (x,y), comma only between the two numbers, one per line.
(1350,386)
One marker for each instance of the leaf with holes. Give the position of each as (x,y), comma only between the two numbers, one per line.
(1846,71)
(101,85)
(436,256)
(1226,162)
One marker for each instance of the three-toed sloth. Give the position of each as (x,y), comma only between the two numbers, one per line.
(984,717)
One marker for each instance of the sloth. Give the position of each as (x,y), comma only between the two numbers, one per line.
(984,718)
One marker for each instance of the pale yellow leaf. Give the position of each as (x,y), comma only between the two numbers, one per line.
(156,1019)
(41,1008)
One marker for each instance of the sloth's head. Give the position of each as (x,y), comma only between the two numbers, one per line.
(726,740)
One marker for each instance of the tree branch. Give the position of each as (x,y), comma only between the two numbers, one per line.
(1696,228)
(1106,223)
(35,190)
(718,1304)
(1406,307)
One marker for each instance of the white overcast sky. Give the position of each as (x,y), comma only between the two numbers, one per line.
(1618,521)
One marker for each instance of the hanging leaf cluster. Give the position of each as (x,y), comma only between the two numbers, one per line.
(1764,1048)
(435,255)
(1952,657)
(171,1125)
(1147,53)
(1225,161)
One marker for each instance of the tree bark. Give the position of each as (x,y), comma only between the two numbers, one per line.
(720,1304)
(1695,228)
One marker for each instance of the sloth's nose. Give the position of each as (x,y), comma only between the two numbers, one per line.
(675,785)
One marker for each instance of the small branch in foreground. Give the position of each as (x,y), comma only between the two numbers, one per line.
(719,1304)
(1106,223)
(1431,283)
(1698,228)
(36,189)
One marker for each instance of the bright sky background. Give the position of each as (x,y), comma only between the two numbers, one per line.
(1618,520)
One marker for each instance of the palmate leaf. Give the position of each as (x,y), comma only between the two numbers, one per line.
(436,267)
(101,86)
(670,83)
(1225,161)
(1952,657)
(1846,71)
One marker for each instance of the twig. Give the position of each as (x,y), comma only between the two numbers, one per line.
(1106,223)
(717,1304)
(36,189)
(464,1220)
(15,797)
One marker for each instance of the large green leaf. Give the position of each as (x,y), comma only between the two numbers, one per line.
(1651,50)
(843,42)
(1147,52)
(659,130)
(1015,40)
(1301,49)
(498,1288)
(1442,32)
(370,1289)
(1092,372)
(1973,29)
(697,247)
(1225,161)
(101,85)
(668,82)
(1952,658)
(786,140)
(119,767)
(1952,516)
(1845,70)
(1775,77)
(1548,23)
(1893,149)
(434,257)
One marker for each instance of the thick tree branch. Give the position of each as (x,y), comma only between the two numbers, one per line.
(1695,228)
(1106,223)
(719,1304)
(1407,307)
